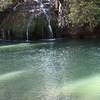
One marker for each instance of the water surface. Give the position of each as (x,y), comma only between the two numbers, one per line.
(58,70)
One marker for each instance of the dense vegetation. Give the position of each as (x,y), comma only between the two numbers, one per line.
(76,18)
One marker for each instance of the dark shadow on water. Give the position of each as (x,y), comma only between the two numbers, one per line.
(73,42)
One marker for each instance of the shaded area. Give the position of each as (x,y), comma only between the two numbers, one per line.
(69,18)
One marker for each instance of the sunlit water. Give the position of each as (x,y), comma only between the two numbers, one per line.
(68,70)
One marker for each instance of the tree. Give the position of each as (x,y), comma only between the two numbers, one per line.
(83,13)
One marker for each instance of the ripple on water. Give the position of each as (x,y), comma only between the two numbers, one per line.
(50,71)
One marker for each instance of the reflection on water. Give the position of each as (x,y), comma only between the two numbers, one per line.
(68,70)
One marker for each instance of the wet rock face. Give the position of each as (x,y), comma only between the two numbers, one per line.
(77,31)
(16,19)
(15,23)
(84,32)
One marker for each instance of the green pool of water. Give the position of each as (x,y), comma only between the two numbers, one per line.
(65,70)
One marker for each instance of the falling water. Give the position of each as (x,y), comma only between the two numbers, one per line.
(28,26)
(44,10)
(27,35)
(9,37)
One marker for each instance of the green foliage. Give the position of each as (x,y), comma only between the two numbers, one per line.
(76,13)
(4,4)
(14,22)
(83,13)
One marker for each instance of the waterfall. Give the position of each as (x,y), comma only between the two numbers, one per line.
(45,11)
(9,37)
(27,35)
(28,25)
(41,8)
